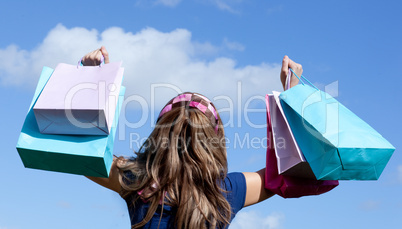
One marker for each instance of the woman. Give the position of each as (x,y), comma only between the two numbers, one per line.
(179,178)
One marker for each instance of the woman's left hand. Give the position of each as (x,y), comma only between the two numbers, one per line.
(94,58)
(297,68)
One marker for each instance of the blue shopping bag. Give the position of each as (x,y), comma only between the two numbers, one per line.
(83,155)
(336,143)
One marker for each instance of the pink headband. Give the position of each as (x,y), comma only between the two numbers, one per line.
(196,101)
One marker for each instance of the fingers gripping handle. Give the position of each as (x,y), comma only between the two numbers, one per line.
(102,61)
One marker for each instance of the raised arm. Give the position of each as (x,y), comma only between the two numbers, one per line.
(256,191)
(255,182)
(112,182)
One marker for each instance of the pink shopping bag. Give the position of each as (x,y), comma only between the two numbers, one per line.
(79,100)
(285,185)
(289,157)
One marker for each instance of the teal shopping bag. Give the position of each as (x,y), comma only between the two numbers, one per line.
(336,143)
(83,155)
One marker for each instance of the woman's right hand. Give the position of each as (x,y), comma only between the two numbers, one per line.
(112,182)
(297,68)
(94,58)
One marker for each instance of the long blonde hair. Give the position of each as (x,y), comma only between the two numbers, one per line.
(183,162)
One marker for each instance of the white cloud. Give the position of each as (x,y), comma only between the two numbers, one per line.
(224,5)
(251,219)
(227,5)
(18,66)
(149,57)
(231,45)
(170,3)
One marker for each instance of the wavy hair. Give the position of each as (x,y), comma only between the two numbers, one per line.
(184,163)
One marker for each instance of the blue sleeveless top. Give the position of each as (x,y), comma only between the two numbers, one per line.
(234,184)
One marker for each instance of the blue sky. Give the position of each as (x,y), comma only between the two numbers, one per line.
(228,50)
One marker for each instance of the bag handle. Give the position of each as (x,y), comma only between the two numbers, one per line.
(299,79)
(268,113)
(102,61)
(287,82)
(270,138)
